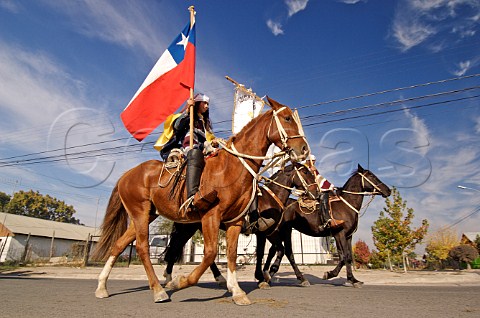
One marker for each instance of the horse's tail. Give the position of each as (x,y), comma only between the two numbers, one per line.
(113,226)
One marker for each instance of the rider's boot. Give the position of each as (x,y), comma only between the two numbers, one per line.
(255,221)
(333,223)
(195,165)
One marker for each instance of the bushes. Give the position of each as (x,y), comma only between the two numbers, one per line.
(463,253)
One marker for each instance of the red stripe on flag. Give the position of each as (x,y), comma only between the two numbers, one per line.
(161,98)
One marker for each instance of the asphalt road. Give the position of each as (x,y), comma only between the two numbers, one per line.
(44,297)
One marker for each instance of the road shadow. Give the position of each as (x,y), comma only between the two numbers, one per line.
(21,274)
(289,279)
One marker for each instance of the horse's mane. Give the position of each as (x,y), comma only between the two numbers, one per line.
(350,178)
(287,168)
(246,127)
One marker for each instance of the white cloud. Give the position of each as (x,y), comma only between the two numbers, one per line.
(10,5)
(275,27)
(463,67)
(352,1)
(477,125)
(410,32)
(295,6)
(418,22)
(107,21)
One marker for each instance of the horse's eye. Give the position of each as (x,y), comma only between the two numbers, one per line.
(288,118)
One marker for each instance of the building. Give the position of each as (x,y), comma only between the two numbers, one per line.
(25,238)
(306,250)
(469,238)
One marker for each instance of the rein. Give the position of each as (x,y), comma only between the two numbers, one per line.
(256,176)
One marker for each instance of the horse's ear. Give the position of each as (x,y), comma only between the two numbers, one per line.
(360,168)
(273,103)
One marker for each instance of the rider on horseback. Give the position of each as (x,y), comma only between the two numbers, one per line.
(203,138)
(326,188)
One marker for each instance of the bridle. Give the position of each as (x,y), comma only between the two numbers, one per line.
(284,137)
(295,191)
(376,190)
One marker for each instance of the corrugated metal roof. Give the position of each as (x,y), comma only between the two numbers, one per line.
(19,224)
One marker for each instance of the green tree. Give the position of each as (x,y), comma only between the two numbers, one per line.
(41,206)
(361,254)
(477,243)
(4,199)
(439,244)
(392,233)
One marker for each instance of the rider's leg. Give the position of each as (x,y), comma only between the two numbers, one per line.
(256,220)
(332,222)
(195,165)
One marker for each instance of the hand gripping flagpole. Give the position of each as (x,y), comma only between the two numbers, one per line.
(191,107)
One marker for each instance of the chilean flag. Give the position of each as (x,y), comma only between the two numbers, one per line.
(165,89)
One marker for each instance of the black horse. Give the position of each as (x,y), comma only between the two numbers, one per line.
(345,206)
(274,194)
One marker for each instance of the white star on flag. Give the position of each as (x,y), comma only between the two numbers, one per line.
(183,42)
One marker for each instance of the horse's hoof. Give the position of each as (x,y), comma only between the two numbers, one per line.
(305,283)
(325,276)
(173,284)
(221,281)
(101,293)
(264,285)
(241,300)
(161,297)
(357,285)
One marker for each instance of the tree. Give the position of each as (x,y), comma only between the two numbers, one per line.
(41,206)
(162,226)
(463,253)
(361,254)
(439,244)
(4,199)
(477,243)
(392,233)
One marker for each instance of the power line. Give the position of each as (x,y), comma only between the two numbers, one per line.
(128,148)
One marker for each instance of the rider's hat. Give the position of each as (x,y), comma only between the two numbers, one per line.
(201,98)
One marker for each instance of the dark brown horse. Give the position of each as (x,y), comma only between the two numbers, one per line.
(346,207)
(274,194)
(143,193)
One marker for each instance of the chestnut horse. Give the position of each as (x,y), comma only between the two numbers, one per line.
(346,207)
(143,193)
(274,195)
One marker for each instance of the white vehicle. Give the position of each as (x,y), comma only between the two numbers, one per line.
(158,243)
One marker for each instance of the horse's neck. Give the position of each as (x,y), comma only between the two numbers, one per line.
(354,184)
(281,192)
(253,140)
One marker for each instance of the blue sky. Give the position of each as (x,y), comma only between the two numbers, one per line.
(373,82)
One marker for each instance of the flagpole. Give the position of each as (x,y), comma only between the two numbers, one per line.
(192,108)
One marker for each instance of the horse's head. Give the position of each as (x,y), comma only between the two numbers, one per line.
(371,183)
(286,131)
(298,175)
